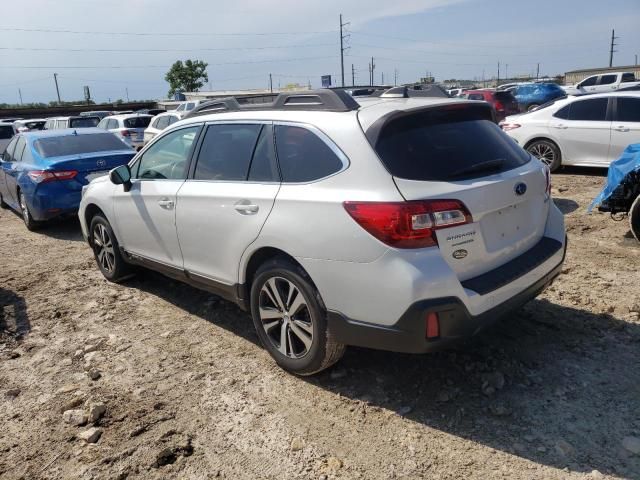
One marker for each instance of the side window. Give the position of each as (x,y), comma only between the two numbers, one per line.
(167,158)
(180,107)
(17,156)
(628,77)
(113,124)
(589,82)
(628,109)
(162,123)
(563,112)
(7,156)
(608,79)
(303,156)
(190,106)
(594,110)
(61,124)
(173,119)
(103,123)
(226,152)
(263,164)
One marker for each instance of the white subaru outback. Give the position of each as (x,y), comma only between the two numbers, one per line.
(401,225)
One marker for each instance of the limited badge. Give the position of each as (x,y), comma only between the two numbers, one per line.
(460,254)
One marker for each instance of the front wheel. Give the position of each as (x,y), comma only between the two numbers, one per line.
(107,251)
(29,222)
(290,319)
(548,152)
(634,218)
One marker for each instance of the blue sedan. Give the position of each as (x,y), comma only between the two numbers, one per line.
(532,95)
(42,173)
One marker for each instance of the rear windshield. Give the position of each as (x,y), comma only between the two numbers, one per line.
(447,145)
(34,125)
(83,122)
(77,144)
(137,122)
(6,131)
(505,96)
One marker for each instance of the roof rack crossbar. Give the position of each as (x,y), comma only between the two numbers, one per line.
(316,100)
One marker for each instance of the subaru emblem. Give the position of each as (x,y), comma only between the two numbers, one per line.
(101,163)
(520,188)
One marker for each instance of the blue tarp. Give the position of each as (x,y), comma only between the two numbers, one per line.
(628,162)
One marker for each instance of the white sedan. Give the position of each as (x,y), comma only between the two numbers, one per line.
(159,123)
(589,131)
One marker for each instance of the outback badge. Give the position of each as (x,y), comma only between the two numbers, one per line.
(460,254)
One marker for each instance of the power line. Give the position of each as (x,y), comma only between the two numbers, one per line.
(163,34)
(146,50)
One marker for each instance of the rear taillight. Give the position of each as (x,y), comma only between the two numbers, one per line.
(125,133)
(408,224)
(43,176)
(499,106)
(509,126)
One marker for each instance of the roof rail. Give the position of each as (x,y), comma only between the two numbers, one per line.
(316,100)
(422,92)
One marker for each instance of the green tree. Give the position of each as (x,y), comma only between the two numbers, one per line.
(187,77)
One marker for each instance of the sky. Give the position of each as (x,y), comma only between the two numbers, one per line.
(123,48)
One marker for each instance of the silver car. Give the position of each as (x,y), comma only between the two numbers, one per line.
(402,225)
(129,127)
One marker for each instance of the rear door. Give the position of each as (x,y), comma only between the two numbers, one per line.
(145,215)
(585,135)
(11,174)
(223,205)
(6,168)
(625,128)
(607,83)
(458,153)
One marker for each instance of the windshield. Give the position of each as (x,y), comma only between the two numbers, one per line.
(84,122)
(137,122)
(77,144)
(445,144)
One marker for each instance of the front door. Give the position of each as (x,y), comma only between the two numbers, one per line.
(146,214)
(8,173)
(224,204)
(585,135)
(625,128)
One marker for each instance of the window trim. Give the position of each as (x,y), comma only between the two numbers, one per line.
(134,162)
(346,163)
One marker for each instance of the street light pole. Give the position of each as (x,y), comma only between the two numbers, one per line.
(55,78)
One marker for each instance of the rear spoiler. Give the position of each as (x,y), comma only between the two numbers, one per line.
(374,131)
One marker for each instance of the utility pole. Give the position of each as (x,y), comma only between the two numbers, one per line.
(483,82)
(395,77)
(506,71)
(353,76)
(55,79)
(270,83)
(20,94)
(382,78)
(127,91)
(636,59)
(342,48)
(498,79)
(372,70)
(613,44)
(538,72)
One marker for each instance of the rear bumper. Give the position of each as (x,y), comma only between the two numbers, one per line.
(456,323)
(45,205)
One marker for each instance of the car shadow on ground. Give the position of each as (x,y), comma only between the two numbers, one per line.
(67,228)
(565,205)
(548,383)
(586,171)
(14,321)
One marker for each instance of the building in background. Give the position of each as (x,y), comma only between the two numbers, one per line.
(575,76)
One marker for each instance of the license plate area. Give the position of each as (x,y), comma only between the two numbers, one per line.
(94,175)
(507,225)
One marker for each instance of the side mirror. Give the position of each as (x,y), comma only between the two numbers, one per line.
(121,176)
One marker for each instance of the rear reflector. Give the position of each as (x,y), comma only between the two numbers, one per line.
(433,325)
(408,224)
(43,176)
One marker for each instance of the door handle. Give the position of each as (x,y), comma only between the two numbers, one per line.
(560,126)
(166,203)
(246,208)
(621,128)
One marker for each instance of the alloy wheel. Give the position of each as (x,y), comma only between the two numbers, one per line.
(103,246)
(286,317)
(543,152)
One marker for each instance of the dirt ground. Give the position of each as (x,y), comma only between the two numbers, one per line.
(181,388)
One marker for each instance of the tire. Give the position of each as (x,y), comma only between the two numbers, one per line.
(634,218)
(106,250)
(308,345)
(532,106)
(547,152)
(29,222)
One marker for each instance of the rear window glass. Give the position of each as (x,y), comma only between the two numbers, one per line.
(137,122)
(34,125)
(84,122)
(505,97)
(445,144)
(6,131)
(77,144)
(628,77)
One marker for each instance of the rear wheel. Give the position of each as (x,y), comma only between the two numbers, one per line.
(106,250)
(30,223)
(290,319)
(547,151)
(634,218)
